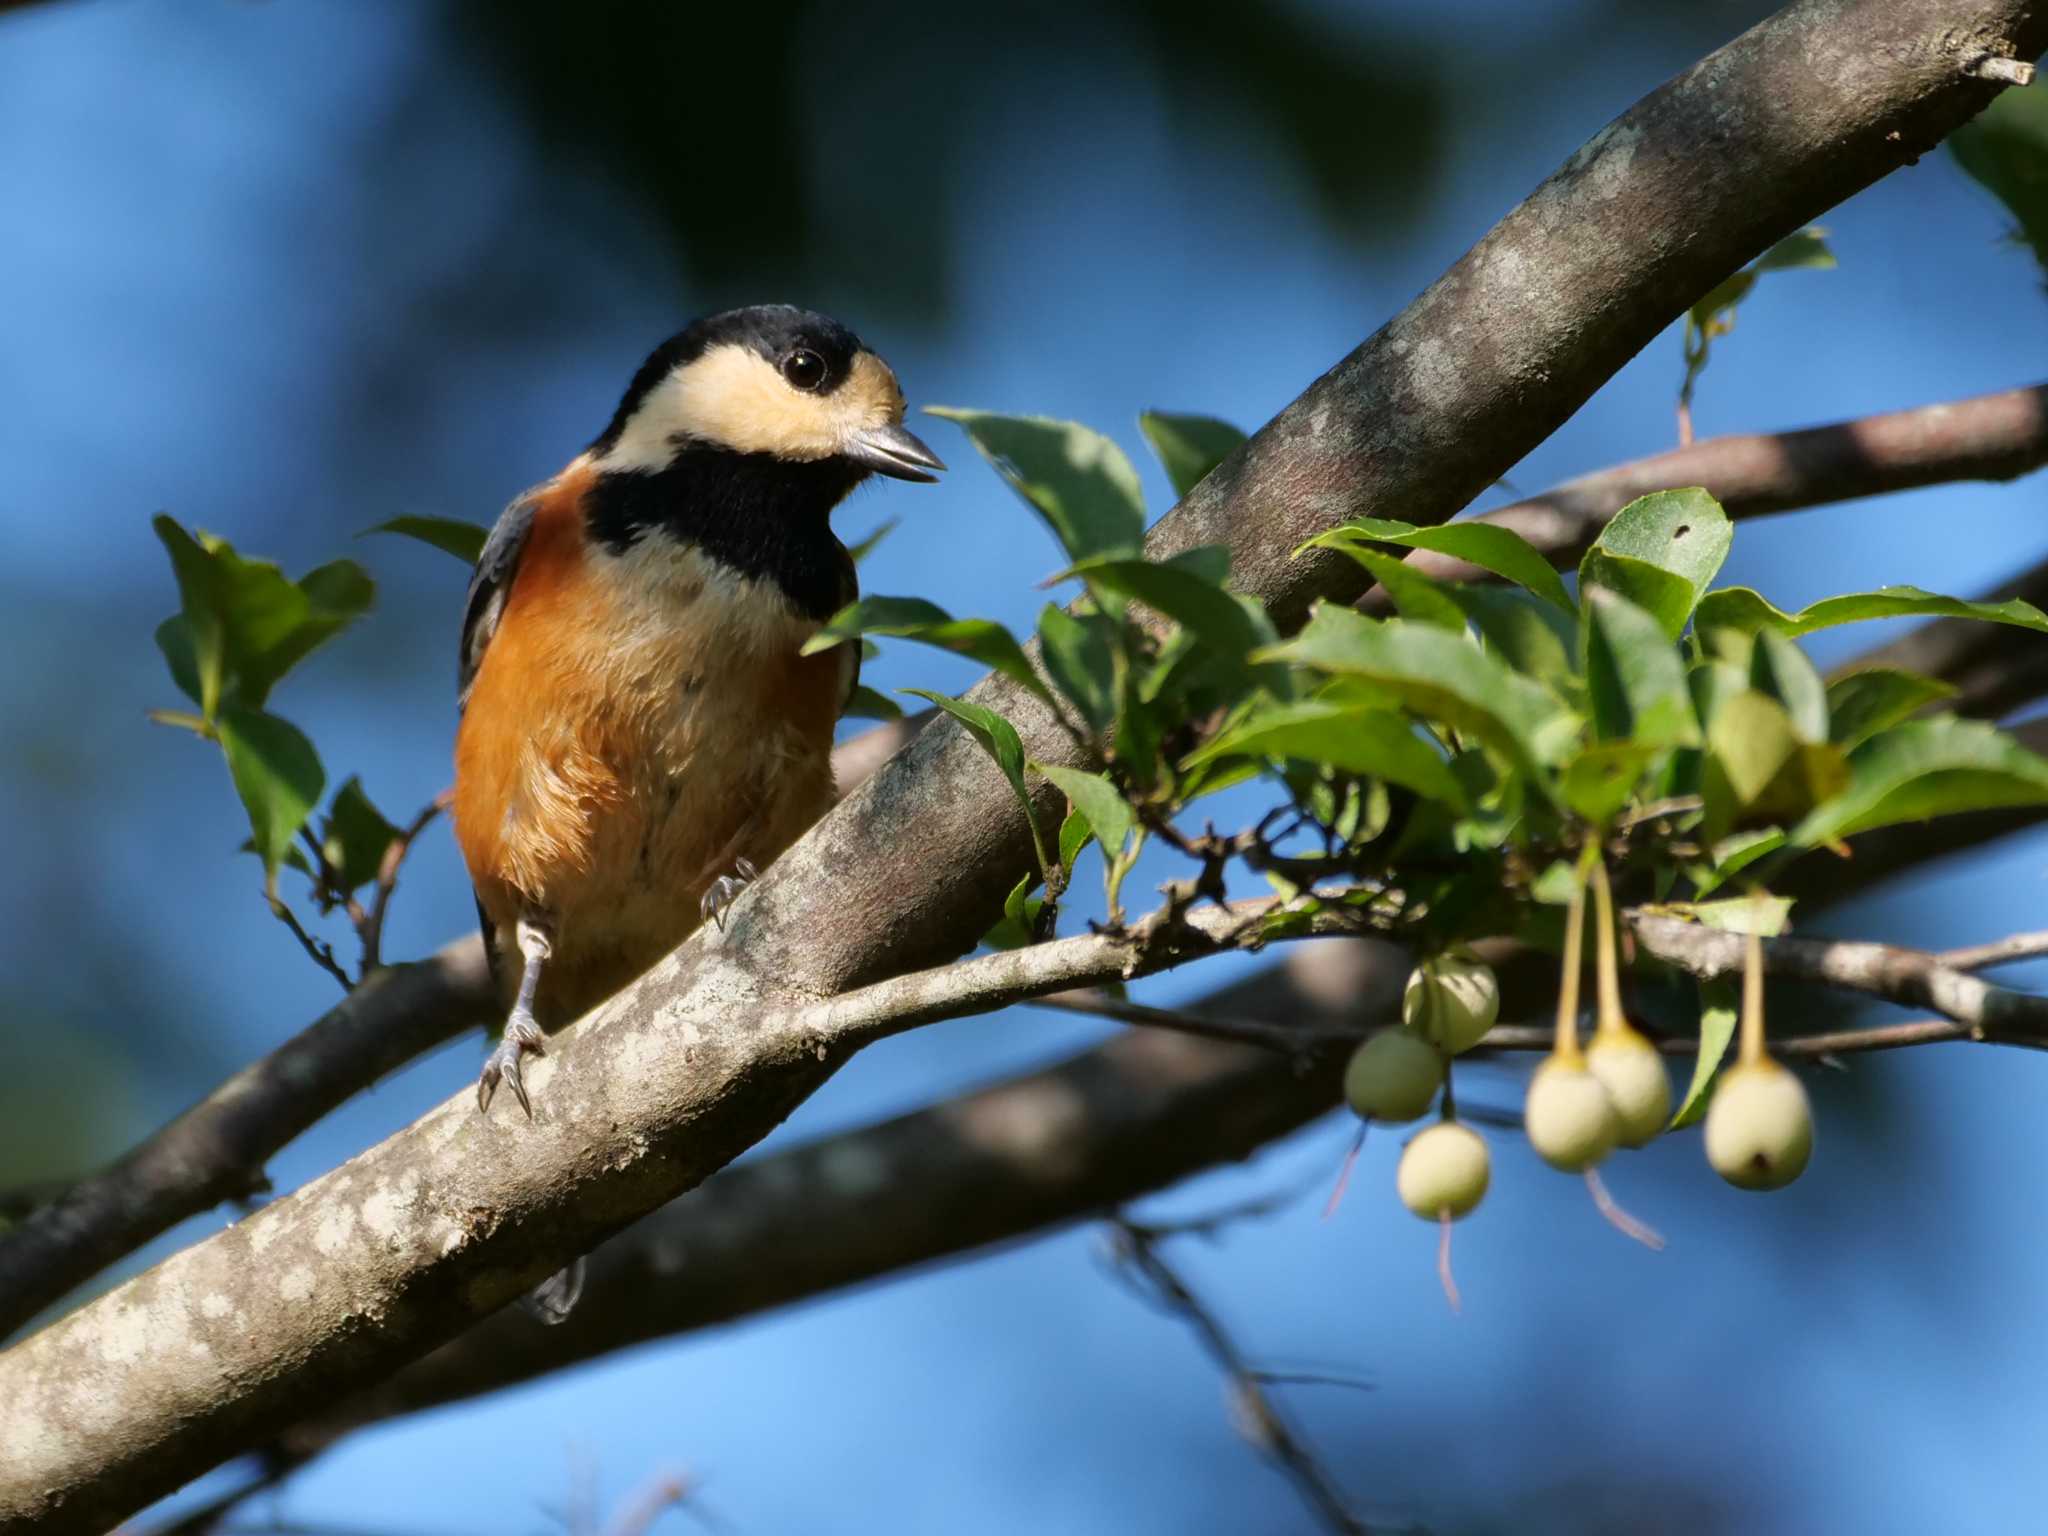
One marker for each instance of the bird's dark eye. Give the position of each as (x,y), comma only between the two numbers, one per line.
(804,369)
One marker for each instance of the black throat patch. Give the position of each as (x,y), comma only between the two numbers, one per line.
(766,518)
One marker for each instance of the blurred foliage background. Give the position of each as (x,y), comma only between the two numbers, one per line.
(288,268)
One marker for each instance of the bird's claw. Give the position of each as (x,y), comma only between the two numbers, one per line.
(522,1036)
(725,890)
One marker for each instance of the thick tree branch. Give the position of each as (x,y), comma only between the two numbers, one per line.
(1990,437)
(216,1150)
(450,1218)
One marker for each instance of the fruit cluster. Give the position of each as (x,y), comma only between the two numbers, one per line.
(1584,1100)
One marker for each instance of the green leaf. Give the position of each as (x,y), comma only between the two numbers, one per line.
(1188,590)
(197,637)
(1018,926)
(1414,595)
(1761,914)
(1807,249)
(999,739)
(867,546)
(866,704)
(450,535)
(1438,675)
(1742,609)
(2006,149)
(1487,545)
(1682,533)
(912,618)
(1714,314)
(355,836)
(1634,678)
(1864,703)
(1780,669)
(278,775)
(1078,480)
(1074,836)
(1758,770)
(1079,651)
(1600,780)
(1717,1030)
(1108,814)
(243,624)
(1355,739)
(1188,446)
(1928,768)
(1530,635)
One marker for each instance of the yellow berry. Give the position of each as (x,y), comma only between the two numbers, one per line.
(1759,1127)
(1444,1171)
(1452,1000)
(1570,1120)
(1393,1077)
(1631,1070)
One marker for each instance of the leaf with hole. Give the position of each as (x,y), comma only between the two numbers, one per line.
(1682,534)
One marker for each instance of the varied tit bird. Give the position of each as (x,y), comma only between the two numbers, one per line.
(639,734)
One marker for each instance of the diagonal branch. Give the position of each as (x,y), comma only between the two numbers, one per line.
(1990,437)
(445,1221)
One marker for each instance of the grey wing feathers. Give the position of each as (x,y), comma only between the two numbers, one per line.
(488,585)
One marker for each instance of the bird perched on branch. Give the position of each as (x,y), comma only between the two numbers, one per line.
(639,734)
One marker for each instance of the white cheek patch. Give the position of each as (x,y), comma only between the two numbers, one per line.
(732,397)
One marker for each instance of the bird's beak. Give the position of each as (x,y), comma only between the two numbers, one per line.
(892,451)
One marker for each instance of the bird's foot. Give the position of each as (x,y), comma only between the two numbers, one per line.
(522,1036)
(725,890)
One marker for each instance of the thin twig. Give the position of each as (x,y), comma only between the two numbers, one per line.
(370,926)
(1260,1419)
(1978,957)
(321,951)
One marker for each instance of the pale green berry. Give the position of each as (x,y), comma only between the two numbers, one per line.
(1631,1070)
(1759,1127)
(1569,1118)
(1452,1000)
(1393,1077)
(1444,1172)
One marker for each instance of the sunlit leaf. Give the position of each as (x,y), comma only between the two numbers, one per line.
(1532,636)
(1487,545)
(1742,609)
(1109,815)
(1353,739)
(1187,589)
(1864,703)
(1599,781)
(1757,769)
(1414,595)
(1683,533)
(1634,678)
(912,618)
(1189,446)
(1928,768)
(1717,1029)
(450,535)
(1780,669)
(1077,479)
(999,739)
(278,775)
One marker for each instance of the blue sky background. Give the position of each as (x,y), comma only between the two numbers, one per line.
(288,269)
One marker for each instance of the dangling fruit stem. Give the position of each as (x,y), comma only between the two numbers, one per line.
(1752,1050)
(1609,1014)
(1567,1046)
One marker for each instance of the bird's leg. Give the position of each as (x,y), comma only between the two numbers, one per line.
(522,1033)
(725,890)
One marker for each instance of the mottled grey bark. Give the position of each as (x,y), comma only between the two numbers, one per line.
(444,1222)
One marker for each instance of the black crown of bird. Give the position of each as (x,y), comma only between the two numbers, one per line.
(639,732)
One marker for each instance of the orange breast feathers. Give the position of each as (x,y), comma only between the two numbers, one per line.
(637,725)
